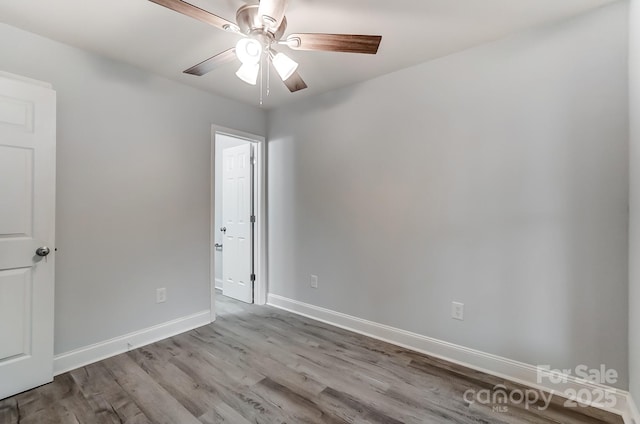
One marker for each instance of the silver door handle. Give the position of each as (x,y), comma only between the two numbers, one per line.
(43,251)
(218,246)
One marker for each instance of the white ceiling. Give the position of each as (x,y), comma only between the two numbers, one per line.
(159,40)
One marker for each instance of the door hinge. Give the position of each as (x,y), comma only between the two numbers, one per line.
(253,277)
(253,218)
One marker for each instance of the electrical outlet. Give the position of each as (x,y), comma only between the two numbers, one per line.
(314,281)
(457,310)
(161,295)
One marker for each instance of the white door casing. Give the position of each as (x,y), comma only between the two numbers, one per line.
(27,222)
(237,199)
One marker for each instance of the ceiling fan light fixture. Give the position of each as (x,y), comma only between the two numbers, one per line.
(285,66)
(263,25)
(249,51)
(248,73)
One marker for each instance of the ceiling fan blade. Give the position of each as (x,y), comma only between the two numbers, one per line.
(212,63)
(197,13)
(295,82)
(272,12)
(347,43)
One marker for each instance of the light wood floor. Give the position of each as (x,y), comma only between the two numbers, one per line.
(261,365)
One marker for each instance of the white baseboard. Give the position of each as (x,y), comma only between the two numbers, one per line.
(515,371)
(632,415)
(219,283)
(96,352)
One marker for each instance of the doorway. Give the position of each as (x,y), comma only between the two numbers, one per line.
(238,225)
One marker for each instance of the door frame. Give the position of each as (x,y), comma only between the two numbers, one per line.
(260,209)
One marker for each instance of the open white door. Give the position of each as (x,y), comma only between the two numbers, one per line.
(237,260)
(27,216)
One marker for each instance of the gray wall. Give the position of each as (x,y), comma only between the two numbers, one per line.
(496,177)
(133,186)
(634,233)
(222,142)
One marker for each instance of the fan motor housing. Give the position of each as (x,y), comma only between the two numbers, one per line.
(250,23)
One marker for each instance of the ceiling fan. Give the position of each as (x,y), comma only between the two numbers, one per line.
(262,27)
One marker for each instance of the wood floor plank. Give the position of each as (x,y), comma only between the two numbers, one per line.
(267,362)
(57,402)
(299,407)
(373,393)
(179,385)
(212,378)
(266,366)
(111,403)
(9,412)
(156,403)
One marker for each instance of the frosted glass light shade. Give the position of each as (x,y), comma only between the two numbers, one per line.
(249,51)
(285,66)
(248,73)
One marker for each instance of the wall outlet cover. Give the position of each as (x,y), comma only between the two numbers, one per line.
(457,310)
(161,295)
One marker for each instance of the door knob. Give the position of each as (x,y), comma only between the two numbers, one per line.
(43,251)
(223,229)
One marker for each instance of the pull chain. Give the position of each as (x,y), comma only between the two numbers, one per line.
(261,67)
(268,76)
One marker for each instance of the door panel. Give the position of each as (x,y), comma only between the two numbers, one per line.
(16,112)
(15,312)
(237,264)
(27,216)
(16,174)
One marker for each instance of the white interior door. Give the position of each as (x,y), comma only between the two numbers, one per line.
(27,216)
(237,261)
